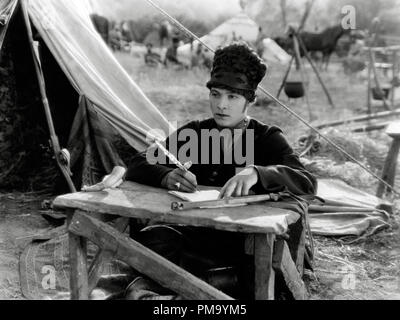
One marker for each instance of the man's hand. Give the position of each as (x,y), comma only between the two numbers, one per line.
(180,180)
(240,184)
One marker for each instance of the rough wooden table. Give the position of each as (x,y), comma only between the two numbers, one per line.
(261,222)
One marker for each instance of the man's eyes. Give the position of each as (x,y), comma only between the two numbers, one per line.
(217,94)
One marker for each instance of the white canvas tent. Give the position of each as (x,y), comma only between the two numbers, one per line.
(78,73)
(240,27)
(93,70)
(274,53)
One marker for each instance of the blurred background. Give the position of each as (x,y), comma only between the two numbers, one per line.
(272,15)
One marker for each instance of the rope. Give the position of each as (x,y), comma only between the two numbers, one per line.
(298,117)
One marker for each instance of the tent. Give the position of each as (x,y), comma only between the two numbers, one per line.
(272,52)
(84,83)
(240,27)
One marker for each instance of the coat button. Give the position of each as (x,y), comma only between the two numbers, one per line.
(213,176)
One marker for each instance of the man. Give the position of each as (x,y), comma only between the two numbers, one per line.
(115,38)
(269,165)
(164,32)
(151,58)
(171,56)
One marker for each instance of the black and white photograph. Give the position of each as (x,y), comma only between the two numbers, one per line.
(218,152)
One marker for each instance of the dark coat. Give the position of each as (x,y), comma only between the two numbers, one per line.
(278,166)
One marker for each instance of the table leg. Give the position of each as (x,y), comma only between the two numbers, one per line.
(284,265)
(103,257)
(264,274)
(78,265)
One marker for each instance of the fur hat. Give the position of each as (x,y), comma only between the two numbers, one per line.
(238,68)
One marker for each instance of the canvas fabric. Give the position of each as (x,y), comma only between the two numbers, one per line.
(94,71)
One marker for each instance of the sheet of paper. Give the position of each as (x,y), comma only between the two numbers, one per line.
(204,195)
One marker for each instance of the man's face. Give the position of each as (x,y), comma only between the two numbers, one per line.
(228,108)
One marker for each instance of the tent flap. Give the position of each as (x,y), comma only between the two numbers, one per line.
(94,72)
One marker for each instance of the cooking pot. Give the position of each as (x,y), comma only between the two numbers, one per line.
(294,89)
(378,95)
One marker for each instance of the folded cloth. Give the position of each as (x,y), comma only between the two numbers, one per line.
(346,211)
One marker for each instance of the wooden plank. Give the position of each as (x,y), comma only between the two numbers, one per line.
(103,257)
(264,273)
(382,49)
(371,127)
(78,265)
(134,200)
(143,259)
(372,116)
(283,263)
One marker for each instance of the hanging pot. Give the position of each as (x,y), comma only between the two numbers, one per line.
(294,89)
(378,95)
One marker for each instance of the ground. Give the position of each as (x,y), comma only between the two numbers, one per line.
(367,269)
(19,218)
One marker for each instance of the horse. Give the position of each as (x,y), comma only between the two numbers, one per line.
(324,42)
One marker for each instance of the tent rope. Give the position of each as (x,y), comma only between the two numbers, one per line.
(298,117)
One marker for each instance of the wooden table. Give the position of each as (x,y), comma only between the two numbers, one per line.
(262,224)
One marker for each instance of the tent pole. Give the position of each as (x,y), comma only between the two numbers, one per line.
(306,54)
(369,86)
(394,62)
(302,23)
(285,77)
(297,51)
(53,137)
